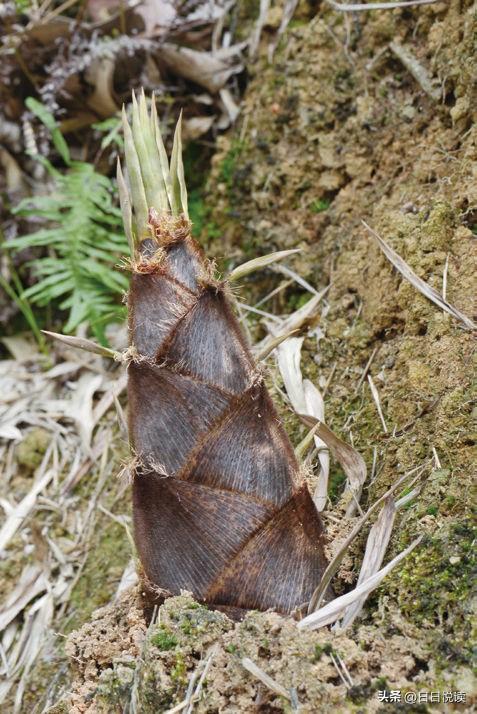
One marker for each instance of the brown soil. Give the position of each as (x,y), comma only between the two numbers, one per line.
(337,130)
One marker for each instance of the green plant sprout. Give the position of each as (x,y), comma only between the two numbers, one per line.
(83,234)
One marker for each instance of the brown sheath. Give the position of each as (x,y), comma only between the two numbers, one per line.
(221,508)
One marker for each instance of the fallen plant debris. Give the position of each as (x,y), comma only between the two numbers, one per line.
(418,283)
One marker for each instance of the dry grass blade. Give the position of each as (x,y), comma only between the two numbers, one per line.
(31,583)
(193,694)
(257,30)
(333,610)
(258,672)
(258,263)
(296,278)
(80,407)
(263,354)
(334,564)
(416,69)
(376,546)
(81,343)
(294,321)
(353,463)
(289,357)
(17,515)
(359,7)
(287,14)
(418,283)
(41,614)
(316,406)
(377,401)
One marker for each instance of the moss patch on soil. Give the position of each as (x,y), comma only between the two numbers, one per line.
(117,660)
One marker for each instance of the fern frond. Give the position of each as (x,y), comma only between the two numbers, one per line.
(84,245)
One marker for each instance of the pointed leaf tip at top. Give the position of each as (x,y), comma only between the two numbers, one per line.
(145,148)
(138,195)
(179,190)
(257,263)
(125,203)
(82,343)
(156,130)
(159,199)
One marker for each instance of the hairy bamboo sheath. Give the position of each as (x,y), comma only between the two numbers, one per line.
(221,507)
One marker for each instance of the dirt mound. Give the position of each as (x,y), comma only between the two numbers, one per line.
(118,662)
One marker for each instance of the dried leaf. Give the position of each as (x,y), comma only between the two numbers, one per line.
(258,672)
(197,126)
(334,609)
(31,583)
(334,564)
(159,16)
(377,401)
(19,512)
(316,407)
(99,74)
(257,30)
(376,546)
(418,283)
(352,462)
(203,68)
(289,358)
(80,406)
(10,432)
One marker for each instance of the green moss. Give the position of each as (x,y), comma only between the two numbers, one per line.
(179,671)
(435,582)
(164,639)
(320,205)
(337,480)
(232,174)
(320,650)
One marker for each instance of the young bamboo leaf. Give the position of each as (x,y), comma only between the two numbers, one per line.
(258,263)
(126,211)
(164,162)
(82,343)
(179,189)
(138,194)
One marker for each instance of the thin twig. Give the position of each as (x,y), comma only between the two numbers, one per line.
(414,67)
(366,370)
